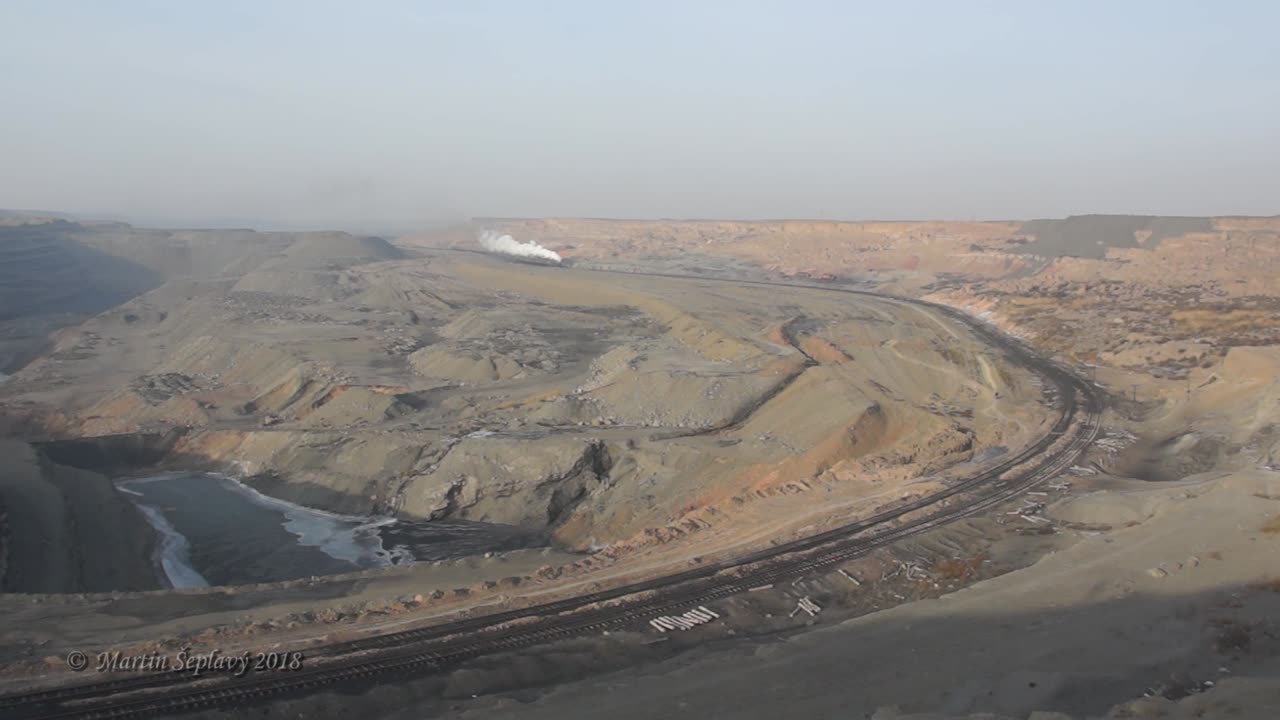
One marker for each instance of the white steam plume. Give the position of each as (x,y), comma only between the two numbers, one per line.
(507,245)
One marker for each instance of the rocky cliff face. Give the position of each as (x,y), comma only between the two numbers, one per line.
(530,483)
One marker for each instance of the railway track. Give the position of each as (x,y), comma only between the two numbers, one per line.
(408,652)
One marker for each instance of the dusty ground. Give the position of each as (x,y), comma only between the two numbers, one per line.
(646,422)
(1186,594)
(461,386)
(1172,594)
(1178,317)
(1153,573)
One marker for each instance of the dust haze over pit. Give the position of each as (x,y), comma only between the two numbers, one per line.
(1051,437)
(297,116)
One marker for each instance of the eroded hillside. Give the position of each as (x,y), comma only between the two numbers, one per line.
(611,410)
(1151,306)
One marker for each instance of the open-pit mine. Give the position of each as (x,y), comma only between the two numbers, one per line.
(489,459)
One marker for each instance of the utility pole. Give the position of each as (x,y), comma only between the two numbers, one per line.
(1135,392)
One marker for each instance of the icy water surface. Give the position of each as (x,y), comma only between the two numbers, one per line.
(213,530)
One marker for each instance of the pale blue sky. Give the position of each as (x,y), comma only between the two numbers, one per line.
(393,114)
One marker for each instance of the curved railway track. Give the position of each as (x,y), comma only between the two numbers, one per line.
(413,651)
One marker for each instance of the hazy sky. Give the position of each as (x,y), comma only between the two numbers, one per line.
(391,114)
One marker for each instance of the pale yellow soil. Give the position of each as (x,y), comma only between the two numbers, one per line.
(690,421)
(1114,613)
(452,385)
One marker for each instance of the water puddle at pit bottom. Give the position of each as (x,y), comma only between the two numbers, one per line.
(213,530)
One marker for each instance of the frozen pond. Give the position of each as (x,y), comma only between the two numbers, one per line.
(213,530)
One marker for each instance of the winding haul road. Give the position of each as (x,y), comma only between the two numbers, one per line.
(397,654)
